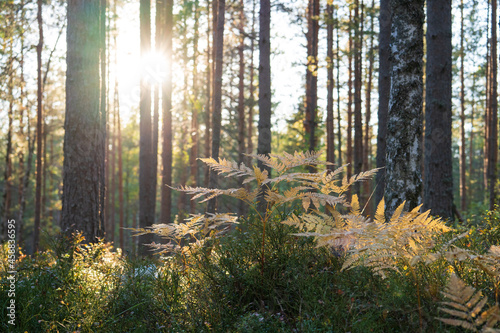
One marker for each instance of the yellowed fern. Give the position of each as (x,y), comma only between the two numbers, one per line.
(465,306)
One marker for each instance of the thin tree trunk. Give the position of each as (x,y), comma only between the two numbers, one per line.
(367,137)
(349,101)
(311,75)
(358,123)
(384,87)
(252,87)
(193,163)
(217,97)
(209,93)
(241,96)
(146,177)
(487,109)
(104,121)
(39,135)
(330,144)
(471,145)
(166,193)
(463,186)
(493,138)
(22,107)
(339,134)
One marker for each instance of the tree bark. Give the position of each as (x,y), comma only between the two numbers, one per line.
(146,177)
(217,97)
(84,132)
(384,88)
(312,75)
(463,185)
(438,190)
(193,162)
(241,95)
(39,135)
(404,126)
(358,124)
(166,192)
(493,137)
(330,144)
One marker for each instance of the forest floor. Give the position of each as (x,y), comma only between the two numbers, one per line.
(223,287)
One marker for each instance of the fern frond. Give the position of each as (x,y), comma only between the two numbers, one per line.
(380,213)
(228,167)
(466,305)
(355,209)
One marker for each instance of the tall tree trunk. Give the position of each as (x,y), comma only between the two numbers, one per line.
(217,97)
(471,144)
(39,126)
(241,95)
(438,190)
(463,185)
(311,74)
(384,88)
(330,144)
(487,109)
(349,100)
(159,17)
(84,131)
(22,107)
(252,86)
(146,177)
(358,124)
(264,126)
(337,55)
(118,131)
(166,193)
(209,91)
(193,162)
(104,122)
(493,138)
(404,126)
(367,137)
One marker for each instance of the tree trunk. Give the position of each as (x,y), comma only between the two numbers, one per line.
(384,88)
(166,192)
(339,132)
(252,86)
(404,126)
(241,96)
(367,138)
(39,126)
(217,97)
(349,101)
(330,144)
(493,137)
(463,185)
(358,124)
(311,74)
(209,92)
(104,122)
(193,162)
(264,126)
(146,177)
(438,196)
(487,109)
(84,131)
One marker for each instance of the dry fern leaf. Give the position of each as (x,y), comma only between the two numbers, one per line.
(229,167)
(466,305)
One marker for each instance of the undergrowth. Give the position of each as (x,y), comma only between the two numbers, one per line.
(310,262)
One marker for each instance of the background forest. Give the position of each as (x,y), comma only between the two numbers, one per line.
(112,105)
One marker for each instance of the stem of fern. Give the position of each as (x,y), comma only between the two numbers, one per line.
(420,319)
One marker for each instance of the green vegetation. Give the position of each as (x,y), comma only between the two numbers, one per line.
(270,277)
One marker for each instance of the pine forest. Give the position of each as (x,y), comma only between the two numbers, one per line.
(249,166)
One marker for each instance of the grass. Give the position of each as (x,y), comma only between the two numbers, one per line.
(221,287)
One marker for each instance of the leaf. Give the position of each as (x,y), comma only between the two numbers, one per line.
(397,212)
(355,209)
(380,213)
